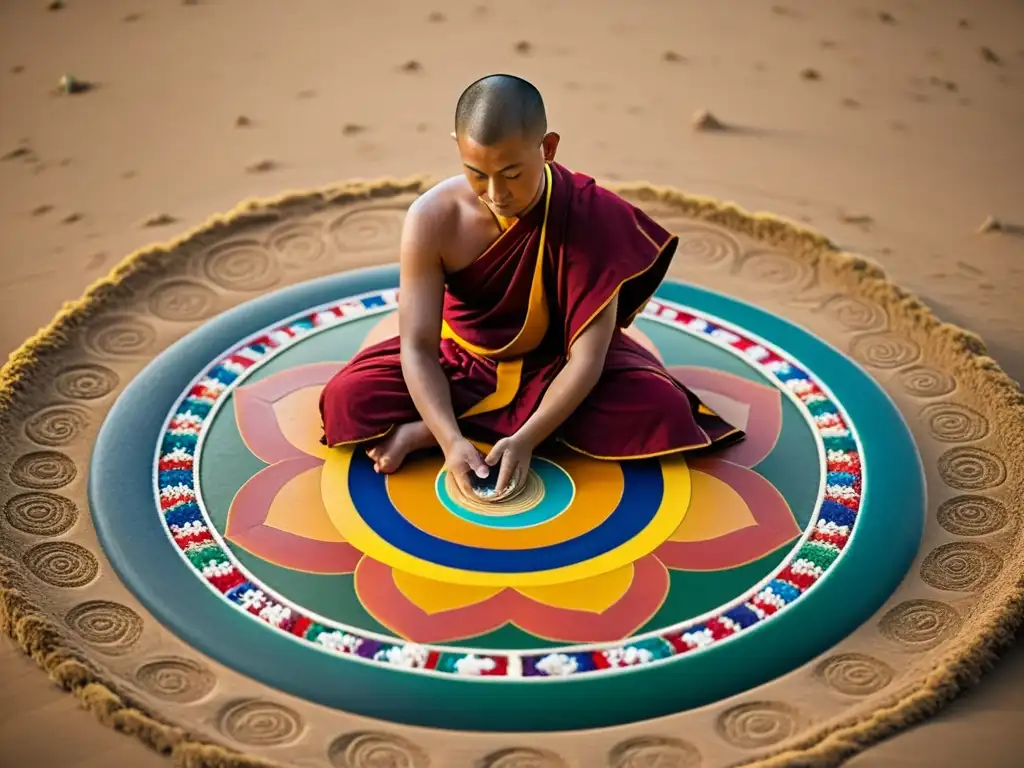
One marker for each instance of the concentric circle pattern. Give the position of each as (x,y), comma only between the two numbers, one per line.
(769,604)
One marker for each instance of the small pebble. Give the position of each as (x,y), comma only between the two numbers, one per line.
(41,210)
(810,73)
(886,18)
(703,120)
(851,103)
(17,69)
(964,24)
(523,47)
(860,219)
(243,122)
(262,166)
(352,129)
(56,5)
(70,84)
(990,224)
(990,56)
(158,220)
(71,218)
(673,57)
(412,66)
(24,151)
(129,18)
(436,17)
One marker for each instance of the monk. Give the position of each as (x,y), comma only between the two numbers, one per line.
(517,279)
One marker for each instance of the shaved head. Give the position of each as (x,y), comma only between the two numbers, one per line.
(498,107)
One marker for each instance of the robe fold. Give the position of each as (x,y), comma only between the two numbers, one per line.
(510,320)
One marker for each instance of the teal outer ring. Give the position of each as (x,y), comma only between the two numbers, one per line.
(877,557)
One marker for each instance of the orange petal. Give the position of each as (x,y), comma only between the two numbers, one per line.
(386,328)
(644,341)
(298,508)
(735,516)
(594,595)
(298,418)
(278,417)
(715,510)
(436,597)
(279,516)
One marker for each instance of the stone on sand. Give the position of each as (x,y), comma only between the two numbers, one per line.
(261,166)
(991,224)
(703,120)
(990,56)
(69,84)
(158,220)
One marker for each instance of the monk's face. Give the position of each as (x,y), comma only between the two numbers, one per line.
(508,175)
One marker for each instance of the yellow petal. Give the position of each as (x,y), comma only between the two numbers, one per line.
(299,420)
(715,510)
(436,596)
(596,594)
(298,508)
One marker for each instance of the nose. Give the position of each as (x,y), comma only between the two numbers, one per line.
(497,191)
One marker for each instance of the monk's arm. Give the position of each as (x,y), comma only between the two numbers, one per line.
(421,287)
(576,379)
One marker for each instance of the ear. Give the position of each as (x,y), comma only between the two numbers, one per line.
(550,145)
(454,137)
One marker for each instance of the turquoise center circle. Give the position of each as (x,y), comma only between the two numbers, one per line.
(559,491)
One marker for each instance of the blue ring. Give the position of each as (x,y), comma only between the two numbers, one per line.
(642,490)
(558,496)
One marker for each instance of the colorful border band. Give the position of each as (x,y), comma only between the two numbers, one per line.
(187,524)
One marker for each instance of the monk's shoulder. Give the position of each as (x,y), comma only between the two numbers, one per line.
(433,218)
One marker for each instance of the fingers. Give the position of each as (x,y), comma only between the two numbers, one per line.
(496,452)
(504,475)
(477,464)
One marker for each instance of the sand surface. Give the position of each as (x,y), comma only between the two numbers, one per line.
(907,139)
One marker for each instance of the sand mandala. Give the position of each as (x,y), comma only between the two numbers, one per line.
(183,553)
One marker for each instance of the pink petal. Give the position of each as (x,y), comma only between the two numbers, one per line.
(255,415)
(247,524)
(773,524)
(755,408)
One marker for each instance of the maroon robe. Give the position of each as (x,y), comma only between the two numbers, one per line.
(510,319)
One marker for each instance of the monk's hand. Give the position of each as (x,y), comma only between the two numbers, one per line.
(513,456)
(463,459)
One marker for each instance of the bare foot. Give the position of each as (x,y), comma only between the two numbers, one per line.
(389,453)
